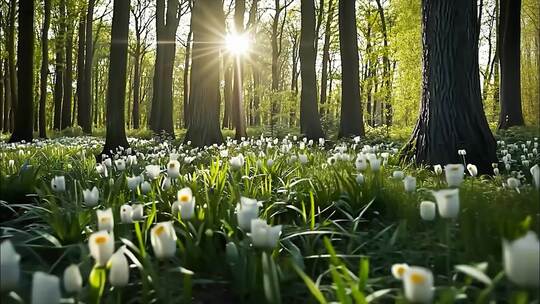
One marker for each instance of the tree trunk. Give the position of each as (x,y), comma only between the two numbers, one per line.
(351,122)
(137,58)
(80,66)
(204,100)
(187,61)
(227,92)
(326,57)
(387,105)
(11,62)
(238,113)
(68,77)
(7,98)
(509,56)
(85,106)
(451,114)
(25,74)
(310,123)
(44,69)
(59,79)
(116,89)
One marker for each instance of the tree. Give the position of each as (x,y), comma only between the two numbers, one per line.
(187,60)
(204,100)
(451,115)
(509,33)
(24,124)
(44,69)
(238,113)
(386,68)
(68,67)
(84,113)
(116,88)
(351,122)
(326,54)
(59,66)
(310,123)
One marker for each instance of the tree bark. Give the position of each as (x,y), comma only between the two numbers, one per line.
(351,122)
(387,107)
(451,114)
(85,106)
(227,92)
(116,88)
(44,69)
(59,78)
(80,65)
(238,113)
(326,56)
(7,98)
(187,61)
(204,100)
(25,74)
(509,56)
(310,123)
(68,75)
(11,62)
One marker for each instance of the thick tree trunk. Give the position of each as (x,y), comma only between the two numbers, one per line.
(351,122)
(509,55)
(25,74)
(310,123)
(204,99)
(326,57)
(116,89)
(238,113)
(68,79)
(80,65)
(85,106)
(44,69)
(451,114)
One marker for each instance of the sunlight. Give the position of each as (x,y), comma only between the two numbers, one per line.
(237,44)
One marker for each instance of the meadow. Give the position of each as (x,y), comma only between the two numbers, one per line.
(266,220)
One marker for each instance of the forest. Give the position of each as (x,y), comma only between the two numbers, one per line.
(274,151)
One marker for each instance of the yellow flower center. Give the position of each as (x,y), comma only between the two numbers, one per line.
(100,240)
(160,230)
(104,220)
(418,278)
(401,270)
(454,168)
(184,198)
(171,165)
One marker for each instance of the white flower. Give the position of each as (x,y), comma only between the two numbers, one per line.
(131,160)
(224,153)
(247,210)
(360,178)
(462,152)
(521,260)
(107,162)
(418,285)
(137,213)
(45,288)
(473,170)
(163,239)
(105,219)
(398,175)
(72,279)
(91,197)
(398,270)
(437,169)
(173,169)
(146,187)
(101,246)
(58,184)
(152,171)
(428,210)
(237,162)
(126,213)
(361,163)
(535,172)
(447,202)
(269,163)
(133,182)
(513,183)
(375,164)
(166,183)
(454,174)
(185,204)
(263,235)
(409,183)
(496,171)
(119,273)
(120,164)
(303,159)
(9,266)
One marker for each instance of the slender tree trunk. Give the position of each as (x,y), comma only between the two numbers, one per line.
(116,89)
(85,106)
(326,57)
(25,73)
(387,108)
(204,99)
(7,98)
(227,92)
(238,113)
(68,79)
(11,61)
(44,69)
(2,86)
(58,80)
(509,55)
(137,58)
(310,123)
(351,122)
(80,65)
(187,61)
(451,114)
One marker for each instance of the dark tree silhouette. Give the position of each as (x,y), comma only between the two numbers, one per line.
(351,122)
(204,99)
(451,114)
(237,106)
(508,37)
(310,122)
(84,114)
(116,88)
(325,56)
(68,70)
(59,67)
(24,124)
(80,63)
(44,68)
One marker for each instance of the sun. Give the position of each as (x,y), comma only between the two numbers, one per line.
(237,44)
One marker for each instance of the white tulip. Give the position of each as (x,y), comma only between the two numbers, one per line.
(173,169)
(522,260)
(361,163)
(119,273)
(409,183)
(102,170)
(428,210)
(91,197)
(535,172)
(398,270)
(9,266)
(101,246)
(496,171)
(133,182)
(269,163)
(126,213)
(185,204)
(58,184)
(146,187)
(473,170)
(45,288)
(263,235)
(137,213)
(72,279)
(513,183)
(454,174)
(418,285)
(152,171)
(247,210)
(398,175)
(303,159)
(166,183)
(120,164)
(163,239)
(462,152)
(237,162)
(105,220)
(447,202)
(107,162)
(375,164)
(437,169)
(131,160)
(360,179)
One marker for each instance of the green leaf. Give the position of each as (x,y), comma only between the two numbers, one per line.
(270,279)
(310,284)
(96,280)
